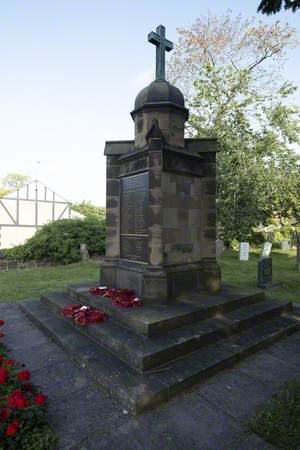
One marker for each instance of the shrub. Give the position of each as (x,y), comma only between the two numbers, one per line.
(60,241)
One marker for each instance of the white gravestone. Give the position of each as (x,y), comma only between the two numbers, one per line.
(244,251)
(266,250)
(286,245)
(84,253)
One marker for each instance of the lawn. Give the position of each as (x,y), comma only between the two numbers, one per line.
(243,274)
(20,284)
(278,421)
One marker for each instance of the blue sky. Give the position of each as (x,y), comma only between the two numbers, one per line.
(69,73)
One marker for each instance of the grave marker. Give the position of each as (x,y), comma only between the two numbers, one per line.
(84,253)
(264,272)
(219,247)
(266,250)
(244,251)
(286,245)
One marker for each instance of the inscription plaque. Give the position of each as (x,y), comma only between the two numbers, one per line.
(134,227)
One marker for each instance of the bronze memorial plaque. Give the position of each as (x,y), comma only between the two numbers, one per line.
(134,227)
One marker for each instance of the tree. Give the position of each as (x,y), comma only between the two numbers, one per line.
(15,181)
(4,191)
(89,210)
(274,6)
(226,68)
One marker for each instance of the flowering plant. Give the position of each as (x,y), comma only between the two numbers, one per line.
(83,315)
(123,298)
(22,409)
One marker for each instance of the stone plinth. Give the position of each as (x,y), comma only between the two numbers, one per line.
(161,220)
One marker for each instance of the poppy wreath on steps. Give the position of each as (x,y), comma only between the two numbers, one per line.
(84,315)
(123,298)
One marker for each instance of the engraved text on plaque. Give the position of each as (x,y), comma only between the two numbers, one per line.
(134,227)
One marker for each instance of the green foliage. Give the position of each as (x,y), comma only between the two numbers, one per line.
(42,438)
(4,191)
(226,68)
(14,181)
(15,253)
(278,422)
(60,241)
(89,210)
(274,6)
(258,174)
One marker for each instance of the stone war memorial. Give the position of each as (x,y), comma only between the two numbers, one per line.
(184,325)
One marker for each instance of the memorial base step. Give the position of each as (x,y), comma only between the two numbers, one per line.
(178,347)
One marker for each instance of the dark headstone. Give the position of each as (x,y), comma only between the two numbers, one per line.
(3,266)
(264,272)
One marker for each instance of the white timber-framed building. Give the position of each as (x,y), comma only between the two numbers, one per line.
(23,211)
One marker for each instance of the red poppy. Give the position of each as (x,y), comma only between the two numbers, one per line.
(17,400)
(70,310)
(9,362)
(1,334)
(24,375)
(12,428)
(80,318)
(4,414)
(1,322)
(123,298)
(3,375)
(40,399)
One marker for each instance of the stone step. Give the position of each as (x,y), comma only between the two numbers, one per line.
(138,392)
(156,319)
(145,354)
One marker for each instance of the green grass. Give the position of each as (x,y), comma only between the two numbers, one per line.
(243,274)
(20,284)
(279,420)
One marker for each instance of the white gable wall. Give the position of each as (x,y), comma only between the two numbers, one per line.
(24,211)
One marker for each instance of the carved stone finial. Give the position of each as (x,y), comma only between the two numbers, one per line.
(154,132)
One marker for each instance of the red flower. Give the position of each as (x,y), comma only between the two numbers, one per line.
(40,399)
(3,375)
(17,400)
(1,334)
(9,362)
(70,310)
(98,291)
(12,428)
(80,318)
(4,414)
(1,322)
(123,298)
(97,316)
(24,375)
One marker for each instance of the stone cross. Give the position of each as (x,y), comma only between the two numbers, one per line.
(162,45)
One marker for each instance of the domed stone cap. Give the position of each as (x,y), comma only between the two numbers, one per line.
(159,94)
